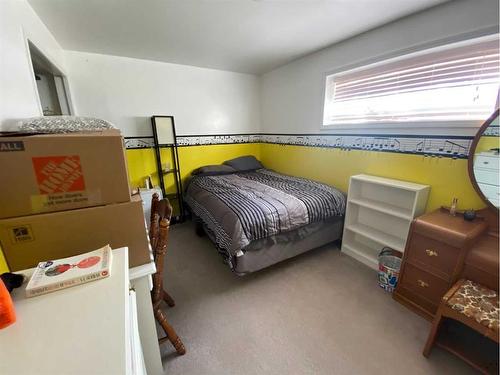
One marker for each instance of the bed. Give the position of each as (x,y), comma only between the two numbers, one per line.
(257,217)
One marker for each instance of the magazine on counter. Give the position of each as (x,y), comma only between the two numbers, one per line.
(58,274)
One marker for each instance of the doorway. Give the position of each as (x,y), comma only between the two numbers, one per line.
(51,84)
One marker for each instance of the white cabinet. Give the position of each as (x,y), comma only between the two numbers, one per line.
(140,279)
(137,364)
(91,328)
(379,213)
(486,166)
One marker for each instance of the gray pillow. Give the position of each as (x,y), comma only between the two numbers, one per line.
(244,163)
(213,170)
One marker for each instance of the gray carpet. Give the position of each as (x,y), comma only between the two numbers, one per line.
(319,313)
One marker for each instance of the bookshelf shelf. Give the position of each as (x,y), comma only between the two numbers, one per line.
(379,213)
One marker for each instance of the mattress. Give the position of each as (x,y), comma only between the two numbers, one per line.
(239,211)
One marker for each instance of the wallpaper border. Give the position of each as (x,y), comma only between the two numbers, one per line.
(455,147)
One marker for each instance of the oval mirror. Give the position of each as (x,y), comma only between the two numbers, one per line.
(484,166)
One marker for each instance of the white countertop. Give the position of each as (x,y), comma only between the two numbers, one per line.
(78,330)
(146,269)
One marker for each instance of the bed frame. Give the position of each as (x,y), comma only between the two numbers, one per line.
(267,251)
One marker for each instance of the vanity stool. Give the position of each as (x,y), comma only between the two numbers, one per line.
(475,306)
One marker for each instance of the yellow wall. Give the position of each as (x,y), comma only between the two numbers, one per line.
(195,156)
(487,142)
(448,178)
(141,162)
(3,263)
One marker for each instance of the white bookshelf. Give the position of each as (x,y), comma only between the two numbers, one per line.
(378,214)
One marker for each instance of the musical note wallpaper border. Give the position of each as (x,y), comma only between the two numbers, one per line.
(132,143)
(456,147)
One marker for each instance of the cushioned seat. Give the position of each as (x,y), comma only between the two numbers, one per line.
(477,302)
(476,306)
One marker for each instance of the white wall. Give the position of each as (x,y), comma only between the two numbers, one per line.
(18,95)
(287,100)
(292,95)
(127,92)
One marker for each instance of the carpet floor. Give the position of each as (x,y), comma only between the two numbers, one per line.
(319,313)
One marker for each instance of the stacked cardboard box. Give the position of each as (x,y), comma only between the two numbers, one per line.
(64,194)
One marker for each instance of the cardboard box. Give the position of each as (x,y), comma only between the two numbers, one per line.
(28,240)
(56,172)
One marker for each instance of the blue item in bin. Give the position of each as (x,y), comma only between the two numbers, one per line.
(389,264)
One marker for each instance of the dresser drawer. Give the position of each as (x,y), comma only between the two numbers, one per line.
(433,256)
(486,176)
(486,161)
(420,304)
(424,284)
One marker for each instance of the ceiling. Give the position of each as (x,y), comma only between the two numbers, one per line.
(249,36)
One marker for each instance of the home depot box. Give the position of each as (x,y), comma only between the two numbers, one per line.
(55,172)
(28,240)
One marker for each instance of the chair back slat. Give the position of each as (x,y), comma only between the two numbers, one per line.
(154,230)
(160,251)
(161,213)
(163,210)
(154,206)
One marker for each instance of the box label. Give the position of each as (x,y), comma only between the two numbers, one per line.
(8,146)
(58,174)
(44,202)
(21,234)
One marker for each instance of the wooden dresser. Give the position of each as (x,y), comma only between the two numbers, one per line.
(434,258)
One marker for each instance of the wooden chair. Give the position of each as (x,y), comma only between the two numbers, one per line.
(471,304)
(164,211)
(161,212)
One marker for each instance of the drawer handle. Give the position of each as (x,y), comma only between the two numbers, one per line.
(422,284)
(431,253)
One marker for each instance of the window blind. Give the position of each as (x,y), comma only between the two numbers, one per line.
(458,83)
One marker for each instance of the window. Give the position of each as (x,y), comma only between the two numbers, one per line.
(455,83)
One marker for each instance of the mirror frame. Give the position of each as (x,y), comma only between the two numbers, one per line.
(472,150)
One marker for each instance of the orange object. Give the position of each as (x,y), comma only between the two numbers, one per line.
(7,312)
(58,174)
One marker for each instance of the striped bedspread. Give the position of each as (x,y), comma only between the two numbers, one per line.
(242,207)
